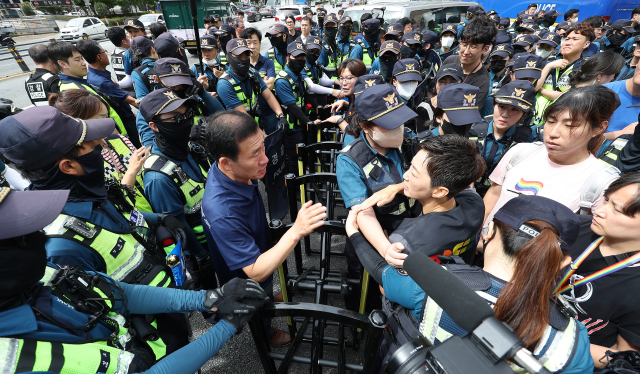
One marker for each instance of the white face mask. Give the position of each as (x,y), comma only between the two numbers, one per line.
(542,53)
(407,89)
(390,139)
(447,41)
(212,62)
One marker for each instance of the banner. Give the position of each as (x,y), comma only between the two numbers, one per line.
(274,178)
(51,3)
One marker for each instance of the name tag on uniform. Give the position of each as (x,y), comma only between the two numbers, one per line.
(117,63)
(136,218)
(36,90)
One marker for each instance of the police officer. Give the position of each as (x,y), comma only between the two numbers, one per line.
(459,101)
(523,44)
(212,70)
(505,129)
(498,60)
(347,47)
(277,35)
(389,55)
(118,37)
(329,59)
(448,41)
(472,11)
(394,32)
(321,15)
(75,321)
(546,45)
(142,76)
(317,73)
(406,78)
(241,88)
(411,45)
(368,44)
(630,65)
(428,56)
(224,34)
(44,80)
(134,27)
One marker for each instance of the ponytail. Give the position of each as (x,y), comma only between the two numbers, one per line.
(53,99)
(524,302)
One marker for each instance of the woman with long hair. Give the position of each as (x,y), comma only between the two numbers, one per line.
(122,161)
(599,69)
(525,252)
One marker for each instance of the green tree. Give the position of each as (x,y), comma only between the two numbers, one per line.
(125,6)
(28,10)
(101,9)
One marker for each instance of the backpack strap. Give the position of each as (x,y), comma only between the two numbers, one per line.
(526,150)
(478,133)
(595,185)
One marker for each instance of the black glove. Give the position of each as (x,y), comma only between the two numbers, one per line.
(174,225)
(197,134)
(236,301)
(195,89)
(283,121)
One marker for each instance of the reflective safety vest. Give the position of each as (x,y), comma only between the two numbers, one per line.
(113,175)
(147,72)
(271,54)
(123,256)
(378,177)
(223,58)
(366,58)
(192,190)
(332,66)
(342,56)
(117,62)
(298,89)
(250,104)
(554,82)
(71,85)
(612,152)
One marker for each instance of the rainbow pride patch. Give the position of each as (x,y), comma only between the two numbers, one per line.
(528,186)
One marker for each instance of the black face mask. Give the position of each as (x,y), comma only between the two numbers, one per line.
(172,138)
(239,68)
(497,66)
(224,40)
(296,66)
(450,128)
(617,39)
(312,57)
(390,37)
(24,260)
(386,69)
(407,52)
(371,36)
(345,32)
(330,33)
(278,42)
(87,187)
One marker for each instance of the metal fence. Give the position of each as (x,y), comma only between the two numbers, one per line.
(30,25)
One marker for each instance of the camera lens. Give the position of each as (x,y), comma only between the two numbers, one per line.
(410,358)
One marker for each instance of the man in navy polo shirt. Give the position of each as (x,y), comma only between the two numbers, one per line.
(261,63)
(233,213)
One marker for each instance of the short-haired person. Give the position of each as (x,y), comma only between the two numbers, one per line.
(340,13)
(562,167)
(448,41)
(43,333)
(630,65)
(386,60)
(498,60)
(405,22)
(605,304)
(237,230)
(571,16)
(368,43)
(474,42)
(598,69)
(459,101)
(524,255)
(97,75)
(212,69)
(260,63)
(511,103)
(428,112)
(330,44)
(319,26)
(238,24)
(44,80)
(628,92)
(305,29)
(292,32)
(554,79)
(346,45)
(157,29)
(166,45)
(142,76)
(208,21)
(134,28)
(73,69)
(225,33)
(277,35)
(242,88)
(121,59)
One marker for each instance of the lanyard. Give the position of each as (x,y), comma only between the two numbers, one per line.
(560,288)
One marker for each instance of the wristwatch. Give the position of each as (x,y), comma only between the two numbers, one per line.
(340,119)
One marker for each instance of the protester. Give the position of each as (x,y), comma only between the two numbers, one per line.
(262,64)
(599,69)
(292,32)
(628,92)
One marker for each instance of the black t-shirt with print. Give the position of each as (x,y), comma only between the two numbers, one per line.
(608,306)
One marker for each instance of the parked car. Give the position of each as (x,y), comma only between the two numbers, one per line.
(252,14)
(79,28)
(430,15)
(268,11)
(297,11)
(150,18)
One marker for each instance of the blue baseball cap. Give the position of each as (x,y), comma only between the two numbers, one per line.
(528,66)
(278,28)
(429,37)
(366,81)
(173,72)
(24,212)
(237,46)
(460,103)
(518,93)
(140,45)
(476,9)
(553,13)
(624,24)
(551,39)
(504,22)
(371,24)
(161,101)
(134,23)
(38,137)
(166,45)
(450,28)
(540,33)
(564,25)
(314,42)
(392,46)
(331,18)
(502,37)
(502,50)
(382,105)
(394,29)
(407,70)
(345,19)
(412,37)
(208,42)
(524,41)
(296,49)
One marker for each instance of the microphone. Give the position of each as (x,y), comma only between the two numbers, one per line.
(470,312)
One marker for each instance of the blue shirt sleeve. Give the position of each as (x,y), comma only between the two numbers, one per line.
(324,57)
(62,251)
(211,104)
(234,241)
(351,181)
(139,86)
(375,66)
(582,361)
(128,64)
(270,68)
(284,91)
(227,94)
(146,134)
(356,52)
(153,300)
(195,71)
(403,290)
(628,46)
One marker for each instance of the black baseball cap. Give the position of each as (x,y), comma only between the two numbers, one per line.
(524,41)
(518,93)
(502,50)
(394,29)
(528,66)
(553,13)
(173,72)
(407,70)
(412,37)
(277,28)
(551,39)
(344,20)
(492,12)
(451,70)
(450,28)
(216,17)
(140,45)
(502,37)
(429,37)
(161,101)
(134,23)
(527,26)
(314,42)
(166,45)
(24,212)
(371,24)
(237,46)
(519,210)
(390,45)
(331,17)
(366,81)
(208,42)
(504,22)
(296,49)
(383,106)
(495,18)
(460,103)
(38,137)
(607,25)
(540,33)
(624,24)
(564,25)
(476,9)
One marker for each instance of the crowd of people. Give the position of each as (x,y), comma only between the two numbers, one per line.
(507,151)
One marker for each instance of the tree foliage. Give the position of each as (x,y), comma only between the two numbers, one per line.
(101,9)
(28,10)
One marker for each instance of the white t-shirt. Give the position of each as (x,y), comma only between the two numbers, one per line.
(538,175)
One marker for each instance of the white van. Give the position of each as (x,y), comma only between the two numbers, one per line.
(82,28)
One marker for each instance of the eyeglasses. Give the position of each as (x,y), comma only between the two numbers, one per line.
(346,79)
(473,47)
(188,114)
